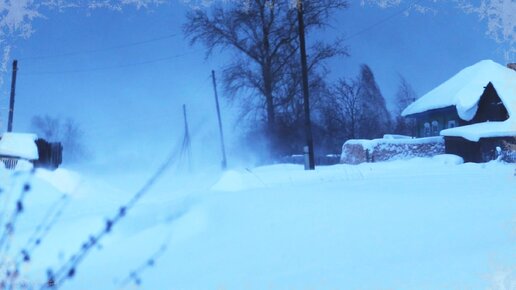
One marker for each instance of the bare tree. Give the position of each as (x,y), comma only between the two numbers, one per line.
(341,113)
(67,131)
(405,95)
(46,127)
(376,119)
(348,93)
(354,109)
(263,36)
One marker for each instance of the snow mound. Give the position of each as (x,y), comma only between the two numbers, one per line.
(465,89)
(23,165)
(233,180)
(63,180)
(287,175)
(448,159)
(20,145)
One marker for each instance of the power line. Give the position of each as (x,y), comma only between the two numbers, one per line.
(382,21)
(79,52)
(107,67)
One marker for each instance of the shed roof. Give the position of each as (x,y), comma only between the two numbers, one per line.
(482,130)
(465,88)
(20,145)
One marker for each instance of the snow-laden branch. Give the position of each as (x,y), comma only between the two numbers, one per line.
(498,14)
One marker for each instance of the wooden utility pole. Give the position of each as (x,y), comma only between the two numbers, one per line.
(186,148)
(224,161)
(187,132)
(11,100)
(304,68)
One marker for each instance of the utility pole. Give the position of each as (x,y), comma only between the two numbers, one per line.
(186,141)
(224,161)
(11,100)
(304,68)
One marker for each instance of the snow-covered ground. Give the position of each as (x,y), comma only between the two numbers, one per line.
(415,224)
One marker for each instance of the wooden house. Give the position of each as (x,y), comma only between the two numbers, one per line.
(475,111)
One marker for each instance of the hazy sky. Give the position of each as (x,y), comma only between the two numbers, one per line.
(133,93)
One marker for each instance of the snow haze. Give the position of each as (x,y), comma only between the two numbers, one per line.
(144,207)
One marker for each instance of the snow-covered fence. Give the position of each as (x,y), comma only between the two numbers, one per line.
(360,151)
(9,162)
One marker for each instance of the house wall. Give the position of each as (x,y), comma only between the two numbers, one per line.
(484,150)
(468,150)
(441,116)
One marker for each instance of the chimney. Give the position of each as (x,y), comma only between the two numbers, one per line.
(512,66)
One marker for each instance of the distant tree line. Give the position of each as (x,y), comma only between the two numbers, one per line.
(264,77)
(64,130)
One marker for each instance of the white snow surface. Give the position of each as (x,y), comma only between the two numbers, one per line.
(425,223)
(19,145)
(483,130)
(465,89)
(396,136)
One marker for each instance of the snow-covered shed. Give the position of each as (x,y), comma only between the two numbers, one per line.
(15,146)
(475,111)
(28,147)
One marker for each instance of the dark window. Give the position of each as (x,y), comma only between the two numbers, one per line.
(435,128)
(426,131)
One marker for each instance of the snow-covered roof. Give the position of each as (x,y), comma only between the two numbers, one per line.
(20,145)
(483,130)
(465,89)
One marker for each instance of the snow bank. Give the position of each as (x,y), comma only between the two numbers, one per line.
(412,223)
(282,175)
(448,159)
(233,180)
(483,130)
(19,145)
(63,180)
(23,165)
(465,89)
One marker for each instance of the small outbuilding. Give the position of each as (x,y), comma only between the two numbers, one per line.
(475,111)
(16,147)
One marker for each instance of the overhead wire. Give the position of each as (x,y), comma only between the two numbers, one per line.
(382,21)
(162,59)
(113,67)
(80,52)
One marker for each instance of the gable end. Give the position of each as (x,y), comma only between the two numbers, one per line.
(490,107)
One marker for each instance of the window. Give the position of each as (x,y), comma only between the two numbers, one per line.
(426,131)
(435,128)
(452,124)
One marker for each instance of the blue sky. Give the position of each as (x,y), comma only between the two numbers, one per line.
(141,104)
